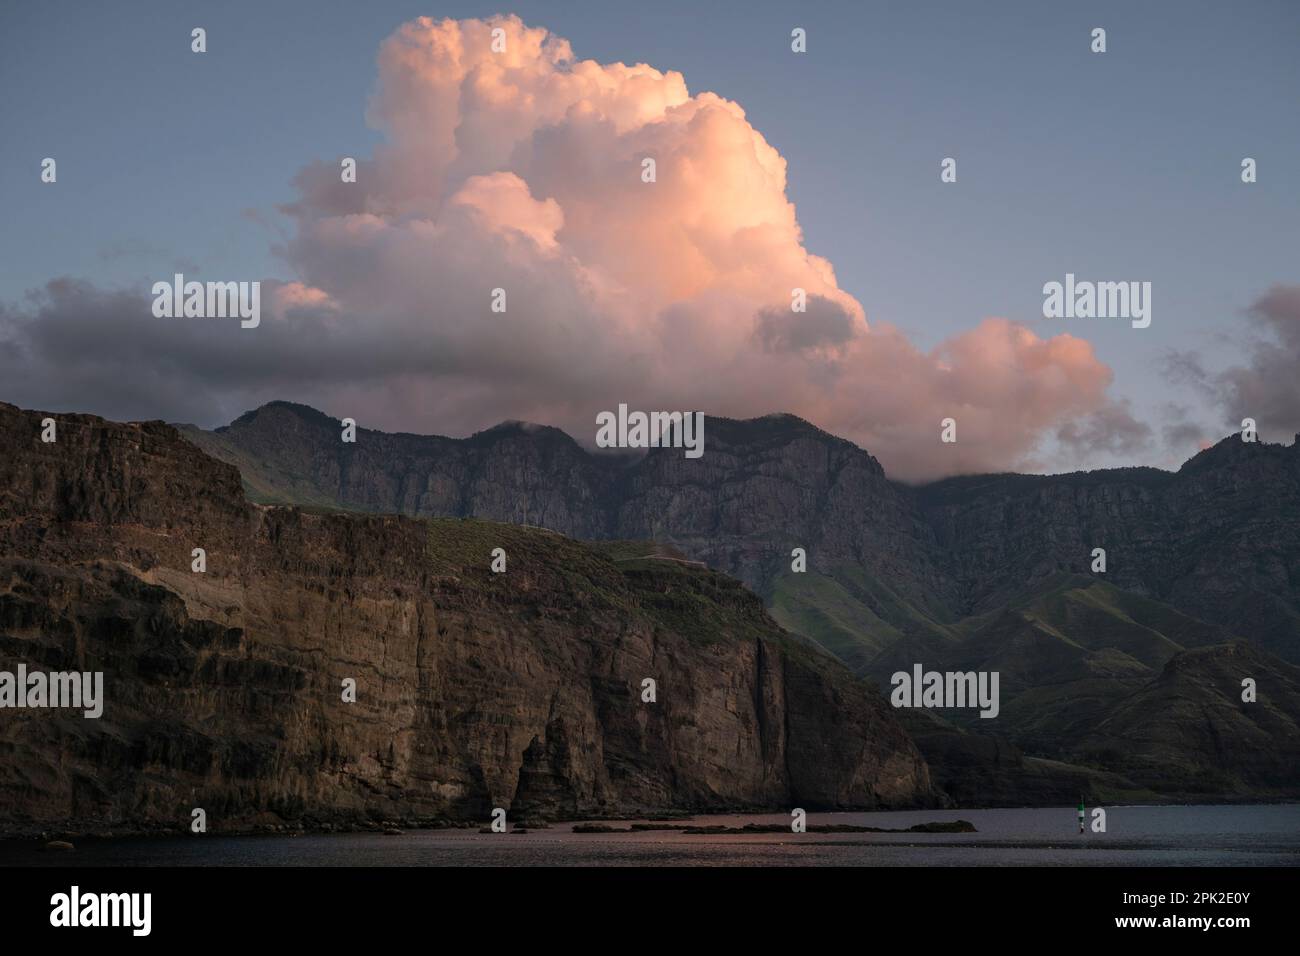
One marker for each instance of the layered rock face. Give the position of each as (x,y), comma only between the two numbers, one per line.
(767,486)
(990,572)
(762,488)
(225,689)
(1219,539)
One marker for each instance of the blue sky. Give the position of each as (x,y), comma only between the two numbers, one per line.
(1116,166)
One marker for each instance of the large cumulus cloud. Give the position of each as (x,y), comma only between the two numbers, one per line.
(522,170)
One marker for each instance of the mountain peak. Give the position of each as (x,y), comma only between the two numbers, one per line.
(513,425)
(305,412)
(777,426)
(1231,450)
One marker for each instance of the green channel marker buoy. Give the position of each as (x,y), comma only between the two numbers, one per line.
(1081,814)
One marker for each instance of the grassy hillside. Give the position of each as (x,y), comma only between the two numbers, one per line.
(854,616)
(1103,692)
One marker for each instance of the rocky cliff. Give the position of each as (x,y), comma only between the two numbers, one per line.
(474,689)
(762,488)
(990,572)
(1219,539)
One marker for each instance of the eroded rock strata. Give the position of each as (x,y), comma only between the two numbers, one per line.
(474,690)
(983,572)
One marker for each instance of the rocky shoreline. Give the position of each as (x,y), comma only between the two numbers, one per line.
(63,841)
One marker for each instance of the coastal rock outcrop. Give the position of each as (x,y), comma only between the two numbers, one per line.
(225,688)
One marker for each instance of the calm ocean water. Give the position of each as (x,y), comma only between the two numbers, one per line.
(1136,836)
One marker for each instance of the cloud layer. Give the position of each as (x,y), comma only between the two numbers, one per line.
(1267,387)
(522,170)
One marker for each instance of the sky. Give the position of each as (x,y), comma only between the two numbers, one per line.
(522,170)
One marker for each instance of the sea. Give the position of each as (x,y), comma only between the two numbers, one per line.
(1176,836)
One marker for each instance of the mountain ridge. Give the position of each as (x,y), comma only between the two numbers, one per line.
(226,687)
(897,573)
(621,493)
(976,572)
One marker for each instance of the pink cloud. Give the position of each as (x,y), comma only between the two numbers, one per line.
(522,170)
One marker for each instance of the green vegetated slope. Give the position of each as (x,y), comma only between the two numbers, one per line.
(273,472)
(854,616)
(1102,691)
